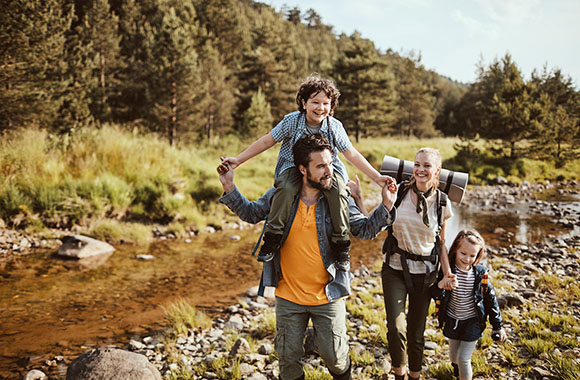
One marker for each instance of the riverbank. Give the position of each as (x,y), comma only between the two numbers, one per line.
(534,280)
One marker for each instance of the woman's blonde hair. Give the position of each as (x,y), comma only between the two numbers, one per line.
(471,236)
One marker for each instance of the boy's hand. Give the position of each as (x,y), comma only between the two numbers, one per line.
(385,180)
(227,163)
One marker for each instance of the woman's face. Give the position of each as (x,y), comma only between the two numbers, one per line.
(426,170)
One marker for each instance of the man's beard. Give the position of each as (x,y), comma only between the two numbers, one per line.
(318,184)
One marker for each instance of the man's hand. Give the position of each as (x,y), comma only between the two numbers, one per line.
(355,188)
(389,193)
(226,175)
(227,163)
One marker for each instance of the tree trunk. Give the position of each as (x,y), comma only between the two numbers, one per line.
(173,122)
(102,78)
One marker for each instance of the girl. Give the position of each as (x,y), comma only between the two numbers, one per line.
(413,248)
(463,311)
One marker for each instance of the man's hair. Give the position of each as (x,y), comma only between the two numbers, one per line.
(312,86)
(306,145)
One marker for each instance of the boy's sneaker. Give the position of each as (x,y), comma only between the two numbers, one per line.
(341,251)
(270,247)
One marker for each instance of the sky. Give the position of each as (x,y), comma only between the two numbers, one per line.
(453,36)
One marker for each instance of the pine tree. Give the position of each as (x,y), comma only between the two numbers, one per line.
(505,104)
(415,103)
(99,30)
(32,42)
(134,101)
(366,85)
(269,64)
(258,118)
(557,133)
(217,103)
(176,77)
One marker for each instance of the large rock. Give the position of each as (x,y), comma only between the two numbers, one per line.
(111,364)
(82,247)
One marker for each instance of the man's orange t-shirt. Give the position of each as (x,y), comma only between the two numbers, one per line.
(304,276)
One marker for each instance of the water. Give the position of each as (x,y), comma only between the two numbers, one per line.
(56,307)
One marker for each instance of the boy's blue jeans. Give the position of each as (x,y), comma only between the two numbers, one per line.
(289,183)
(331,339)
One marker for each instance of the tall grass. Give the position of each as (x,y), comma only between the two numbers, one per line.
(111,173)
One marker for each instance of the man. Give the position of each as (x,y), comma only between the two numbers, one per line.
(308,284)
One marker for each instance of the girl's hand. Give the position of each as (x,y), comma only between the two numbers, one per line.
(449,282)
(502,335)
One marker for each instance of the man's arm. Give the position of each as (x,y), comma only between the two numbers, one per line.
(251,212)
(384,215)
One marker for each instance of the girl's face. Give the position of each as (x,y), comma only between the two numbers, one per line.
(317,108)
(466,254)
(426,170)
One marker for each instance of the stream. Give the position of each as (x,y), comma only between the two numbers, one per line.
(53,307)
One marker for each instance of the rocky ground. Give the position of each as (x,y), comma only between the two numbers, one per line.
(518,271)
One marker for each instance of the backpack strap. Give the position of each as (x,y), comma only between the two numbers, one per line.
(484,283)
(391,246)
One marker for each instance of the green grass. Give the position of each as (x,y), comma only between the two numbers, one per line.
(564,367)
(183,316)
(110,173)
(265,325)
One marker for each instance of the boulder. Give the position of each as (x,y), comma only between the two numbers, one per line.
(82,247)
(35,375)
(112,364)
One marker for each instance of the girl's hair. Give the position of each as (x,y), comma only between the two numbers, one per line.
(312,86)
(437,156)
(471,236)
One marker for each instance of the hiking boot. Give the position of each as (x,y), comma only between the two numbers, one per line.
(270,247)
(344,376)
(341,250)
(455,370)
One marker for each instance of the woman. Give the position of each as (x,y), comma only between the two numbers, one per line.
(413,249)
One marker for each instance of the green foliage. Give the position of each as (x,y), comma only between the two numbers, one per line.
(316,374)
(367,87)
(564,367)
(441,371)
(265,326)
(258,118)
(183,316)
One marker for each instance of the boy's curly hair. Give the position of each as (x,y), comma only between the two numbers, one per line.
(312,86)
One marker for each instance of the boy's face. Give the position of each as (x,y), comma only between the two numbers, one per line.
(317,108)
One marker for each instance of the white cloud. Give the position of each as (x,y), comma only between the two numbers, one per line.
(509,11)
(475,26)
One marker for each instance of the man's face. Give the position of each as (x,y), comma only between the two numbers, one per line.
(319,170)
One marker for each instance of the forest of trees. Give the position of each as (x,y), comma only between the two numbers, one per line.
(195,70)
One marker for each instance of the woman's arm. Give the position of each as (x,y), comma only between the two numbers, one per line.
(449,282)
